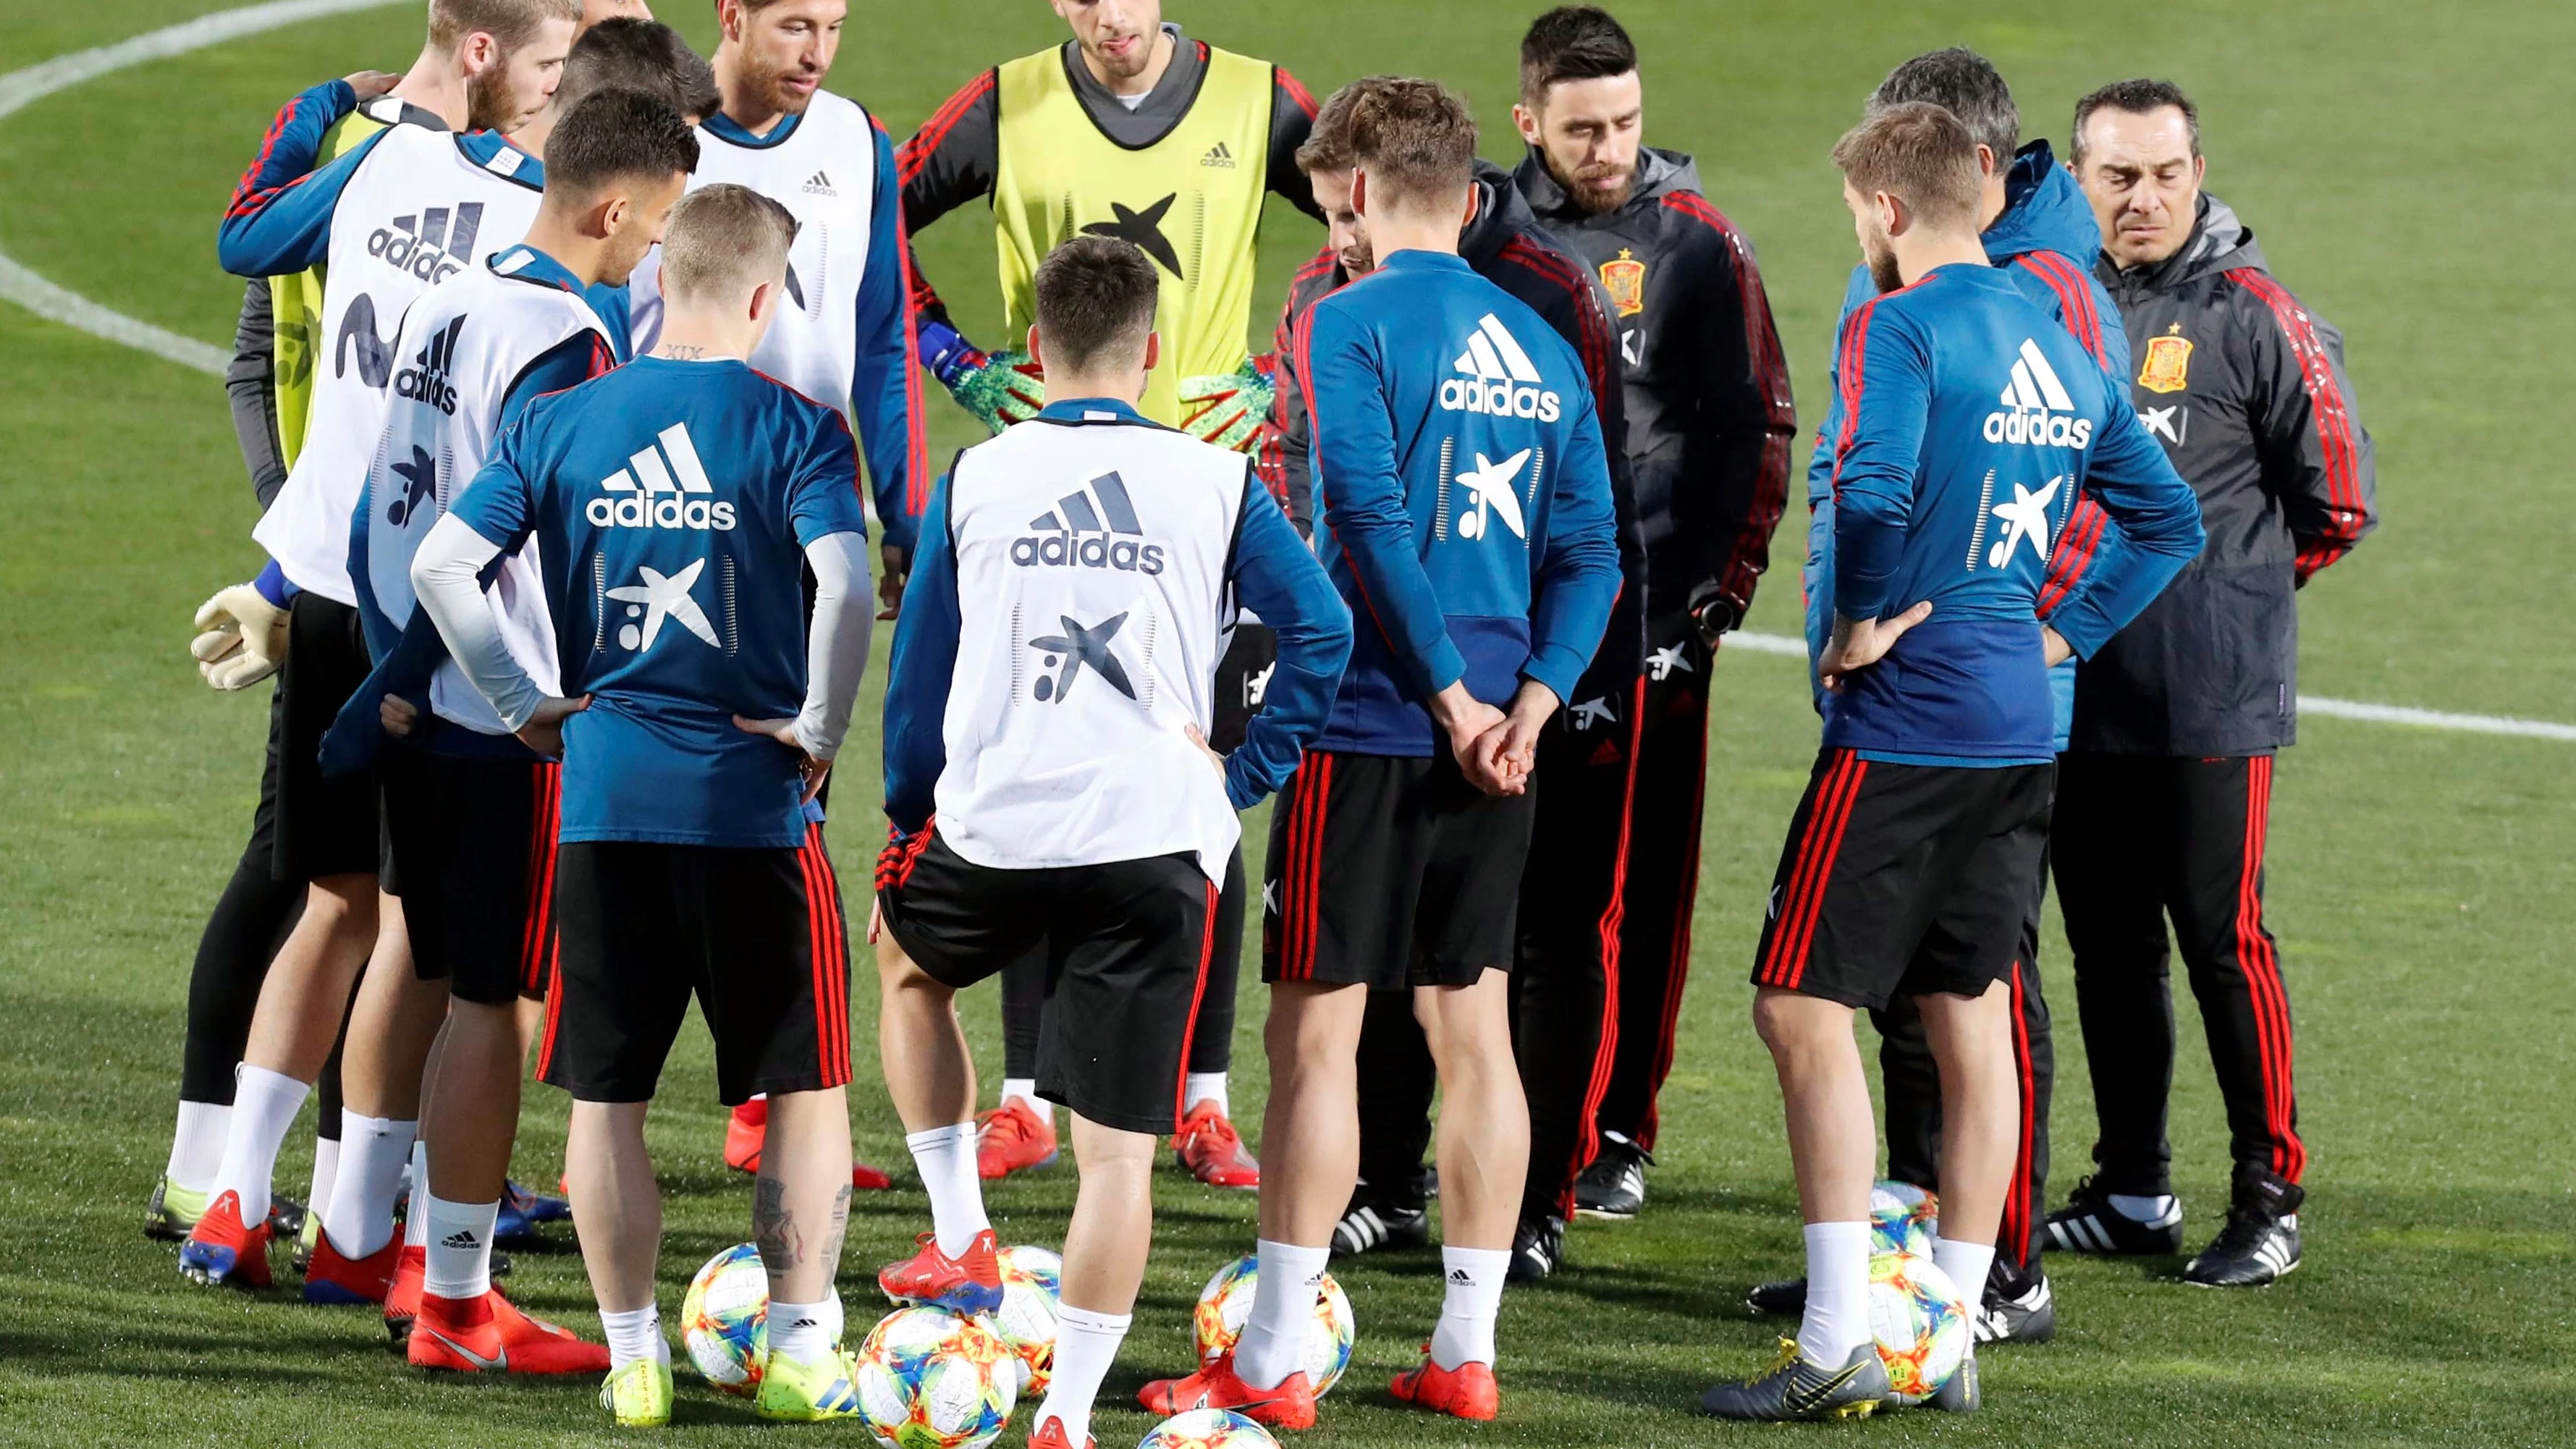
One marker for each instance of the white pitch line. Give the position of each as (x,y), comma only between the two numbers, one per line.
(22,88)
(2394,714)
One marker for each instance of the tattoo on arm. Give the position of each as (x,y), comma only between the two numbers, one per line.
(773,1227)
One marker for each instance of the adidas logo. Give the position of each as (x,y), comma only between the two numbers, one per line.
(1500,380)
(462,1239)
(819,184)
(667,496)
(428,250)
(1218,155)
(2036,408)
(1461,1276)
(1104,512)
(425,381)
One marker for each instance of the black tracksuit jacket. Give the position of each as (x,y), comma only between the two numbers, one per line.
(2245,387)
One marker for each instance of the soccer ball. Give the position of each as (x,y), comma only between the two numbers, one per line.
(929,1379)
(1920,1322)
(1902,1219)
(724,1322)
(1032,1286)
(1208,1429)
(1225,1304)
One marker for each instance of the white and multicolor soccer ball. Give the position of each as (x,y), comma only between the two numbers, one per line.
(724,1322)
(1208,1429)
(1225,1305)
(928,1379)
(1032,1291)
(1920,1321)
(1903,1218)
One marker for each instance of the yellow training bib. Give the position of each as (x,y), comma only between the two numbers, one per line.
(1192,201)
(295,307)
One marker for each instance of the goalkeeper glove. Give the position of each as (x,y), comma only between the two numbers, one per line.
(998,388)
(242,639)
(1229,409)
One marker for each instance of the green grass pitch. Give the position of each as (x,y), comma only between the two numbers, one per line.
(2399,162)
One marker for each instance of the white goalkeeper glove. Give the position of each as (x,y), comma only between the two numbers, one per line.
(242,638)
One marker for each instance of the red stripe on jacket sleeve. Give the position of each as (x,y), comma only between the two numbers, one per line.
(2331,413)
(916,153)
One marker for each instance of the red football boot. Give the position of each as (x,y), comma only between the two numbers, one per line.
(402,1296)
(1467,1391)
(1013,1137)
(1212,1151)
(331,1278)
(1215,1386)
(490,1335)
(965,1285)
(869,1179)
(1050,1435)
(221,1250)
(744,1132)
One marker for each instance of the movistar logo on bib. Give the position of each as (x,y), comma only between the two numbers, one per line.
(1092,528)
(1500,380)
(667,495)
(2036,408)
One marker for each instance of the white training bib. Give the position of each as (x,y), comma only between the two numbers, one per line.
(824,172)
(458,353)
(418,211)
(1094,607)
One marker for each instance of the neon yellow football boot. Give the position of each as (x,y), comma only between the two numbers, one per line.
(799,1392)
(639,1395)
(172,1212)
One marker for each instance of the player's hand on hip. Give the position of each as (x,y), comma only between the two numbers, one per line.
(2053,646)
(397,715)
(810,766)
(543,732)
(898,569)
(1195,736)
(1859,643)
(241,638)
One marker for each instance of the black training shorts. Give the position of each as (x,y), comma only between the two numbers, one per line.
(1905,879)
(756,935)
(473,845)
(1391,871)
(324,827)
(1128,948)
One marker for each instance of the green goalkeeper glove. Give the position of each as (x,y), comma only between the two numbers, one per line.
(242,638)
(1229,409)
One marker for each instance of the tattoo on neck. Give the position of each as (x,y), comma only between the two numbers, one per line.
(680,350)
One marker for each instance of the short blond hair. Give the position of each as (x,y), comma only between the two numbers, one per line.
(1919,153)
(510,23)
(723,241)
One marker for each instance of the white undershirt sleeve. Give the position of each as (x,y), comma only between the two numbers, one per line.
(836,646)
(446,576)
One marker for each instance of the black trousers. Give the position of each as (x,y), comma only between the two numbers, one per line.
(1662,888)
(1569,1008)
(1912,1084)
(251,919)
(1024,995)
(2140,840)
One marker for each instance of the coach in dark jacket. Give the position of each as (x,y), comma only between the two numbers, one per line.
(2164,796)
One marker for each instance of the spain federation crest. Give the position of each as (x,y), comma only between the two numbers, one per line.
(2168,364)
(1624,277)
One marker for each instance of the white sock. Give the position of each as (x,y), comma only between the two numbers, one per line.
(326,1176)
(1025,1090)
(197,1144)
(2150,1210)
(945,1158)
(1967,1265)
(635,1334)
(264,1106)
(1197,1087)
(416,1216)
(1273,1345)
(1086,1344)
(1837,1318)
(460,1245)
(805,1332)
(1473,1299)
(360,1215)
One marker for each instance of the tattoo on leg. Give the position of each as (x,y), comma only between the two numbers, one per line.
(835,1229)
(773,1227)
